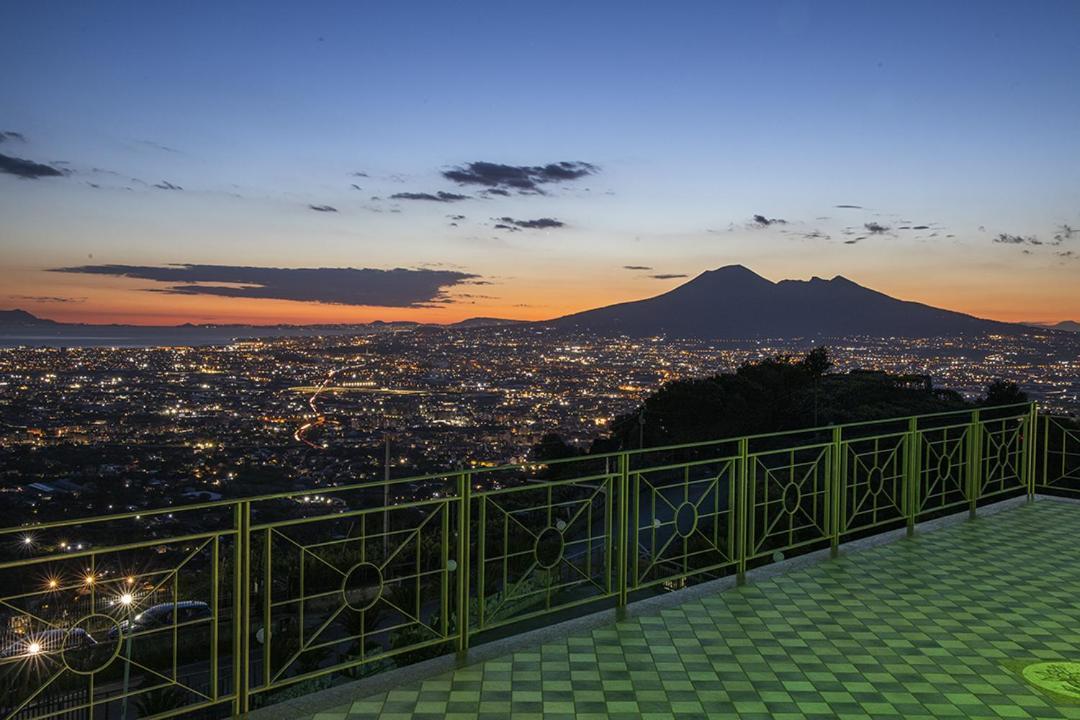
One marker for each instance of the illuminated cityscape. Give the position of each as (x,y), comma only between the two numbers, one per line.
(120,429)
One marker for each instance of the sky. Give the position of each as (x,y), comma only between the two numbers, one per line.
(271,162)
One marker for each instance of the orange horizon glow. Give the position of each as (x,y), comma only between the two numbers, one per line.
(107,305)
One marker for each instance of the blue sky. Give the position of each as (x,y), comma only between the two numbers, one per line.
(697,116)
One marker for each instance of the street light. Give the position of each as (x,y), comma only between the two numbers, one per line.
(127,600)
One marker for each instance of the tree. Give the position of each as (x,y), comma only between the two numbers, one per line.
(553,447)
(1003,392)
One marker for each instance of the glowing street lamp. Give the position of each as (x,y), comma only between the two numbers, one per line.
(33,648)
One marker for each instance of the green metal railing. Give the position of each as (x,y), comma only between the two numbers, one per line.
(219,607)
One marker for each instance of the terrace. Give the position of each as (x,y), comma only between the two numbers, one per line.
(740,576)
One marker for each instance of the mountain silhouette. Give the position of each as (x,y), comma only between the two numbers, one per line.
(22,319)
(734,302)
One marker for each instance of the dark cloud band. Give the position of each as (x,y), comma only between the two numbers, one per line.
(400,287)
(538,224)
(27,169)
(524,178)
(431,197)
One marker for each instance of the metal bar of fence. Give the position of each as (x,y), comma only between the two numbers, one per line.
(622,526)
(836,479)
(464,572)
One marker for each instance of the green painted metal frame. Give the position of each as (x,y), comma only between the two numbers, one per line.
(292,600)
(1059,467)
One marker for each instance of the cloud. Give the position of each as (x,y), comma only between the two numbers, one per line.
(920,227)
(876,228)
(47,299)
(159,146)
(11,135)
(437,197)
(762,221)
(1007,239)
(538,224)
(166,185)
(636,267)
(358,174)
(496,191)
(523,178)
(27,169)
(816,235)
(400,287)
(1065,232)
(354,186)
(849,207)
(323,208)
(668,276)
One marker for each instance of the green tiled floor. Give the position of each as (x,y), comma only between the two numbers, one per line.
(914,629)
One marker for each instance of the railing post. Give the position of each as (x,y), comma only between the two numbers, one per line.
(835,483)
(1046,451)
(912,474)
(742,501)
(623,525)
(974,462)
(464,525)
(1031,442)
(242,607)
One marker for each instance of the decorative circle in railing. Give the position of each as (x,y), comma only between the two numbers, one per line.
(1003,453)
(875,481)
(91,643)
(548,548)
(686,518)
(791,498)
(362,587)
(944,467)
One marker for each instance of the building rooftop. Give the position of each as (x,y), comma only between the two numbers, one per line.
(938,625)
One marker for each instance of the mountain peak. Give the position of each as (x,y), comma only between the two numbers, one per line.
(733,271)
(734,302)
(22,318)
(728,274)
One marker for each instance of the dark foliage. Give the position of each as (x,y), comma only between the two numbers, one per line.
(784,392)
(1002,392)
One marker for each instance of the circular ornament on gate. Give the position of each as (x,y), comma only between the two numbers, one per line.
(791,497)
(90,644)
(944,467)
(362,586)
(686,517)
(875,481)
(548,548)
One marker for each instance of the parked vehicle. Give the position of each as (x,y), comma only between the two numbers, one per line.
(163,615)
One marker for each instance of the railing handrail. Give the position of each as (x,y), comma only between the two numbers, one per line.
(378,483)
